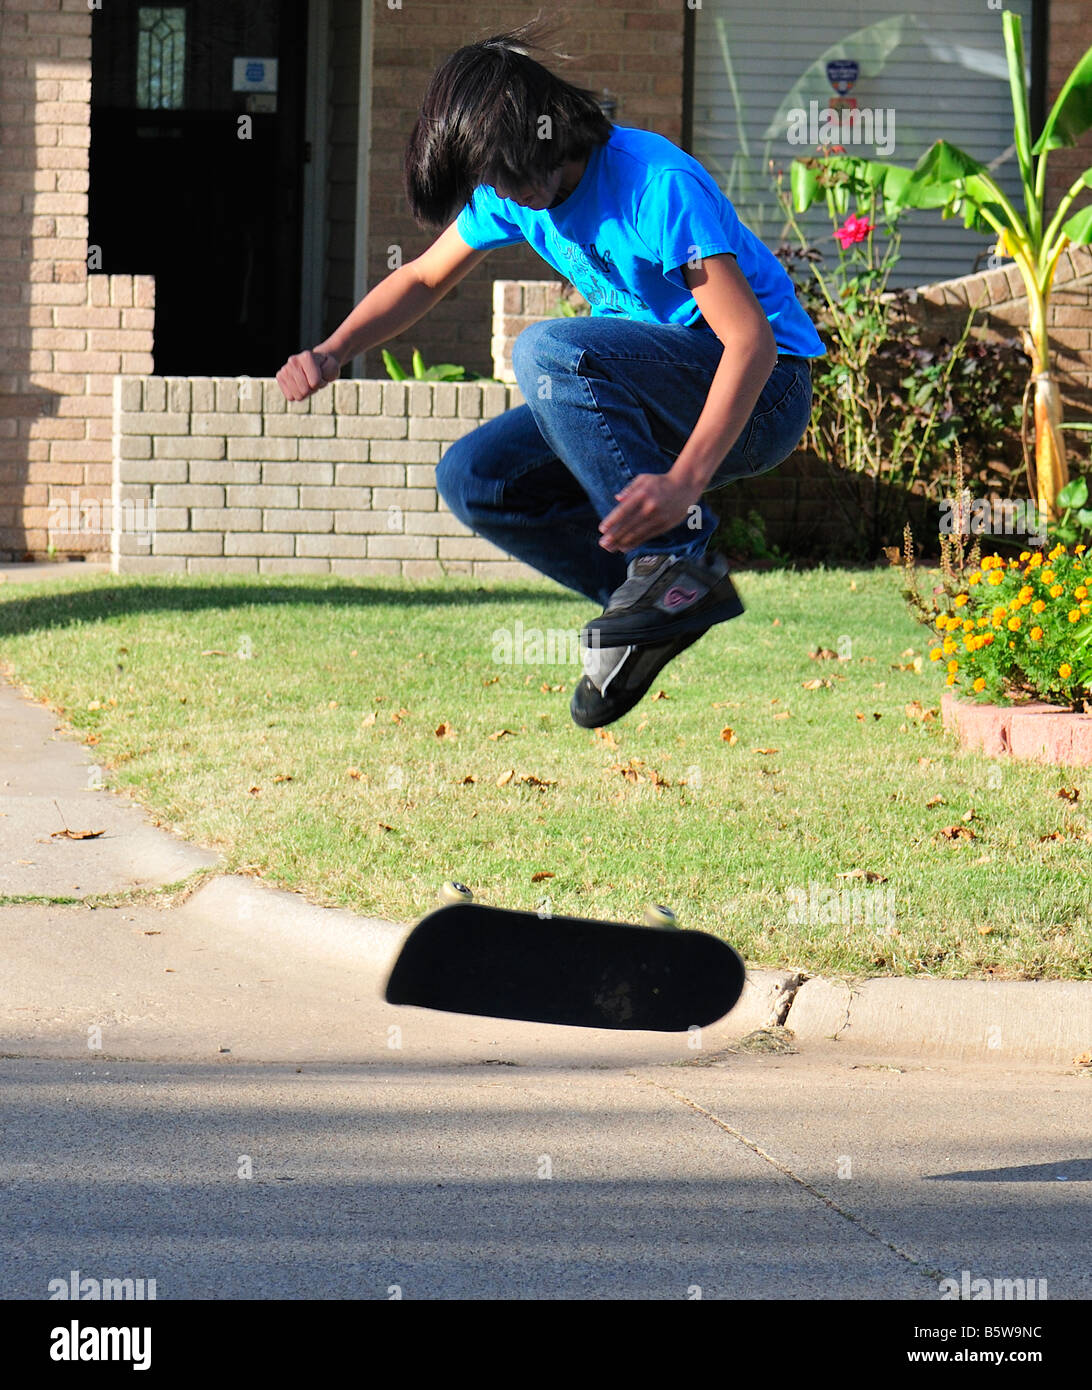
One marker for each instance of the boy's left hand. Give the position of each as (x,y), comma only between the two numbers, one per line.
(650,505)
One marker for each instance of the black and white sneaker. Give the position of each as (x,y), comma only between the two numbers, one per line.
(616,678)
(664,598)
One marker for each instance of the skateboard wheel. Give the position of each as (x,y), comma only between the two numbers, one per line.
(451,892)
(659,916)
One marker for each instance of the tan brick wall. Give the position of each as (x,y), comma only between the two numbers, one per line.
(64,333)
(222,475)
(632,47)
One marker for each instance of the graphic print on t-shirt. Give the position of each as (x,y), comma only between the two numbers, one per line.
(587,268)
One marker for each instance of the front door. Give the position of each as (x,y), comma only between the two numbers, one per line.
(196,174)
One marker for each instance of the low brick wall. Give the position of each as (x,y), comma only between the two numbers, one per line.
(226,476)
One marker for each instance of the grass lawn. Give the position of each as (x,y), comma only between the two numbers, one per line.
(359,741)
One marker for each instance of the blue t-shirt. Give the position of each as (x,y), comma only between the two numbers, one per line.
(642,209)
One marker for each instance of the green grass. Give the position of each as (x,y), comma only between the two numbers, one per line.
(252,752)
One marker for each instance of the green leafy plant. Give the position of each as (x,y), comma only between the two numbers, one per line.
(443,371)
(873,362)
(1075,519)
(951,181)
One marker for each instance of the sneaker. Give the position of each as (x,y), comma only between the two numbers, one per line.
(616,678)
(663,597)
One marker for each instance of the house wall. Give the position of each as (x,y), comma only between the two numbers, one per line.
(65,334)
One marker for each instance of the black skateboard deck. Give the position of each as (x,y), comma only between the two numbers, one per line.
(472,959)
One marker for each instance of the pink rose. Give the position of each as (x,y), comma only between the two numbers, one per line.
(853,230)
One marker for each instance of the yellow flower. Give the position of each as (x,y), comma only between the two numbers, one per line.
(975,577)
(1074,615)
(1014,624)
(949,679)
(935,654)
(948,645)
(1057,590)
(1025,555)
(998,616)
(1086,606)
(996,577)
(1047,576)
(1065,670)
(1038,606)
(961,599)
(987,639)
(1035,561)
(1081,591)
(980,684)
(953,665)
(1025,593)
(1059,549)
(1080,549)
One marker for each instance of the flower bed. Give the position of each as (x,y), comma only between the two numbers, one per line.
(1022,629)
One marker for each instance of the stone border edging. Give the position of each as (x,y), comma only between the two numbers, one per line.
(1035,732)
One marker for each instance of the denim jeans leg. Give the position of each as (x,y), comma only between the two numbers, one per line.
(507,485)
(614,398)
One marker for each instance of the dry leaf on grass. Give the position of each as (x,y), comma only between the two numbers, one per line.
(607,737)
(729,735)
(823,654)
(1083,1059)
(254,791)
(469,779)
(661,695)
(766,750)
(501,733)
(354,773)
(817,684)
(444,731)
(506,777)
(866,874)
(936,801)
(537,878)
(1069,793)
(283,777)
(369,719)
(958,832)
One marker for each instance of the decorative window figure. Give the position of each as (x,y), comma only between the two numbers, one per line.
(161,57)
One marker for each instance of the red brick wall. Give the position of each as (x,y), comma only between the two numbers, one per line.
(64,334)
(632,47)
(1069,25)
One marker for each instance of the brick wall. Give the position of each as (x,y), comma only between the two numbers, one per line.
(1069,25)
(942,309)
(64,333)
(222,476)
(632,47)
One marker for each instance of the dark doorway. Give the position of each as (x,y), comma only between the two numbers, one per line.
(178,191)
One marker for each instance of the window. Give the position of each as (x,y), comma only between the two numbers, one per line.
(161,57)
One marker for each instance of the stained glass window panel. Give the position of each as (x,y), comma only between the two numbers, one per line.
(161,57)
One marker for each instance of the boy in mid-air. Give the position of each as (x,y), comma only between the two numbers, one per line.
(691,371)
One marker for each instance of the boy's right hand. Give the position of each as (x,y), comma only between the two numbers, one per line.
(307,372)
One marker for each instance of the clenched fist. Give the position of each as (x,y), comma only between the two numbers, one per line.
(307,372)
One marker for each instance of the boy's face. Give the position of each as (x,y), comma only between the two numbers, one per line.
(536,196)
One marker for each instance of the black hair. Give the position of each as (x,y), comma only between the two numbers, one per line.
(493,113)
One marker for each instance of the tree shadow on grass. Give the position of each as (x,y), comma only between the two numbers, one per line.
(70,608)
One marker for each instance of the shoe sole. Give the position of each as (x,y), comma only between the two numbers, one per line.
(614,709)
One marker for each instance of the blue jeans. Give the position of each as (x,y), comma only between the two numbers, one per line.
(606,399)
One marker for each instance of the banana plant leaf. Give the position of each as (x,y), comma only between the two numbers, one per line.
(1079,227)
(1071,114)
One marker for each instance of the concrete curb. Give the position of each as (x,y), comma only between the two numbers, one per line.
(995,1020)
(1002,1020)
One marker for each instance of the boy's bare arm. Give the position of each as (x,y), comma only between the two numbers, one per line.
(396,303)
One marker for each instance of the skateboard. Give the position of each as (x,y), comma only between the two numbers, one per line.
(469,958)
